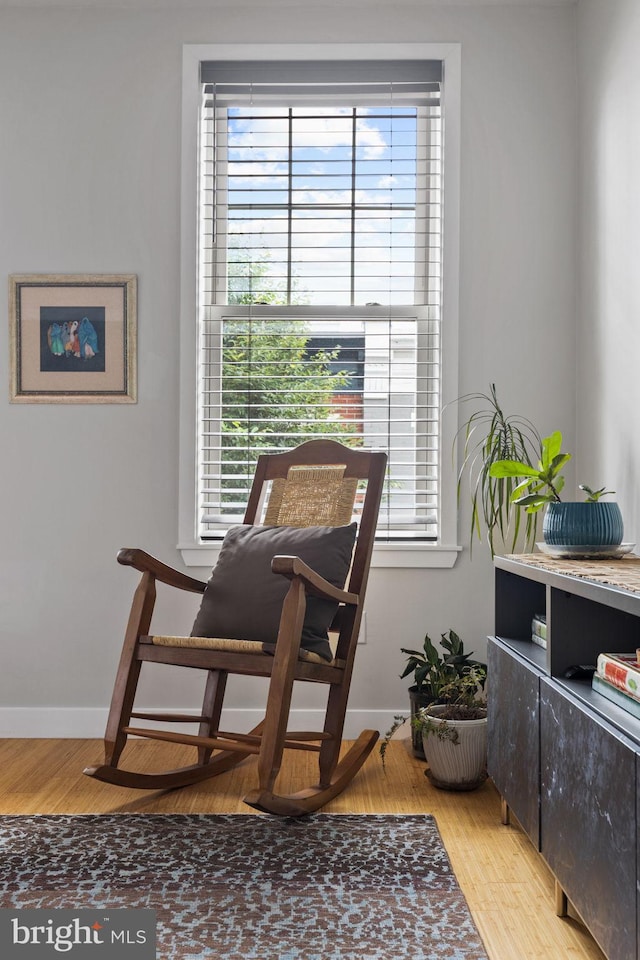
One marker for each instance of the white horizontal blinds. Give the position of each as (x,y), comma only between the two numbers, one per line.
(320,229)
(316,184)
(271,382)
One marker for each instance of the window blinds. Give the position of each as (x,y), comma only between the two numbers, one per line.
(320,250)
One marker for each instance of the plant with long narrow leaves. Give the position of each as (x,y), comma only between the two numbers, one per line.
(491,436)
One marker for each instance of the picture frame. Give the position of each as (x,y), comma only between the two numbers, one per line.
(72,338)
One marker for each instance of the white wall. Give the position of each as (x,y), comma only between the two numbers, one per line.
(89,182)
(608,383)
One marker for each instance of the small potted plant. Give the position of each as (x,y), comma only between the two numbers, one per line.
(454,733)
(591,522)
(432,670)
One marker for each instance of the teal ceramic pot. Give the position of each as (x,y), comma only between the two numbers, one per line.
(583,524)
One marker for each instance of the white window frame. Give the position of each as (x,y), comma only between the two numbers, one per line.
(444,552)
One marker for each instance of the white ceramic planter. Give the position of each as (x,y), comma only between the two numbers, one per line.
(461,765)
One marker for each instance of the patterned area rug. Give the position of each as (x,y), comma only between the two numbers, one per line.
(245,887)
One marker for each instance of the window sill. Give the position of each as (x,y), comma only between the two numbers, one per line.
(385,555)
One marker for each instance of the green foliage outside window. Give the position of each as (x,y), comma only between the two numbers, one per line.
(275,392)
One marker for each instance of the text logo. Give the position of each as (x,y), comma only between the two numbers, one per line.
(80,934)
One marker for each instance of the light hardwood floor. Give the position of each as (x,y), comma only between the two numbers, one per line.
(508,888)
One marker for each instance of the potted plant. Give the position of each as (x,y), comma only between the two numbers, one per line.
(454,733)
(592,522)
(508,465)
(432,671)
(490,436)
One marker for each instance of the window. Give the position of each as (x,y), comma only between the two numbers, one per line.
(320,276)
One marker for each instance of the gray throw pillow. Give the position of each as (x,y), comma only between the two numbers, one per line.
(243,598)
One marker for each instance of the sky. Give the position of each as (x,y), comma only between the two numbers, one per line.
(351,175)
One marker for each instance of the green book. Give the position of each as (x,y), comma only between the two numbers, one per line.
(616,696)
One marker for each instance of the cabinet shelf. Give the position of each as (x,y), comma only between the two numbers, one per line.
(528,650)
(625,722)
(584,618)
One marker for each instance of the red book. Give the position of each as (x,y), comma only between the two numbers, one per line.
(622,670)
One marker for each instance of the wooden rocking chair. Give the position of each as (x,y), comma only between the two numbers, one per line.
(309,494)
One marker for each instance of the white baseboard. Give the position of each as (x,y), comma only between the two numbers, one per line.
(87,723)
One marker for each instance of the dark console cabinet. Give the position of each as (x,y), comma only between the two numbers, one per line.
(565,760)
(513,735)
(588,831)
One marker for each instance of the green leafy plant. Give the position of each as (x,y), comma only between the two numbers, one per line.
(542,484)
(464,700)
(492,436)
(273,389)
(594,495)
(444,674)
(430,667)
(536,486)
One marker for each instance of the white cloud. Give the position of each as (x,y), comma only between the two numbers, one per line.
(248,139)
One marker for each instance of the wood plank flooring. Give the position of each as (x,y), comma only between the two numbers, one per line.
(509,889)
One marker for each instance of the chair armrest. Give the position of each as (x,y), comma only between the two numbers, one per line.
(291,567)
(145,563)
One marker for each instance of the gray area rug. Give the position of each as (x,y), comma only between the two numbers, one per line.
(246,887)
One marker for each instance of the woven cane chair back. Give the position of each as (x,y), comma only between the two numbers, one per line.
(314,495)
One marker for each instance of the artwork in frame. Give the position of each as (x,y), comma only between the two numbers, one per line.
(72,338)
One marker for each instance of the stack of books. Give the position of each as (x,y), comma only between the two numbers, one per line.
(539,629)
(617,678)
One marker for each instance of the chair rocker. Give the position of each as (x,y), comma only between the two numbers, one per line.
(302,494)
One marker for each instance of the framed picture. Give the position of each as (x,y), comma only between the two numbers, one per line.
(72,338)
